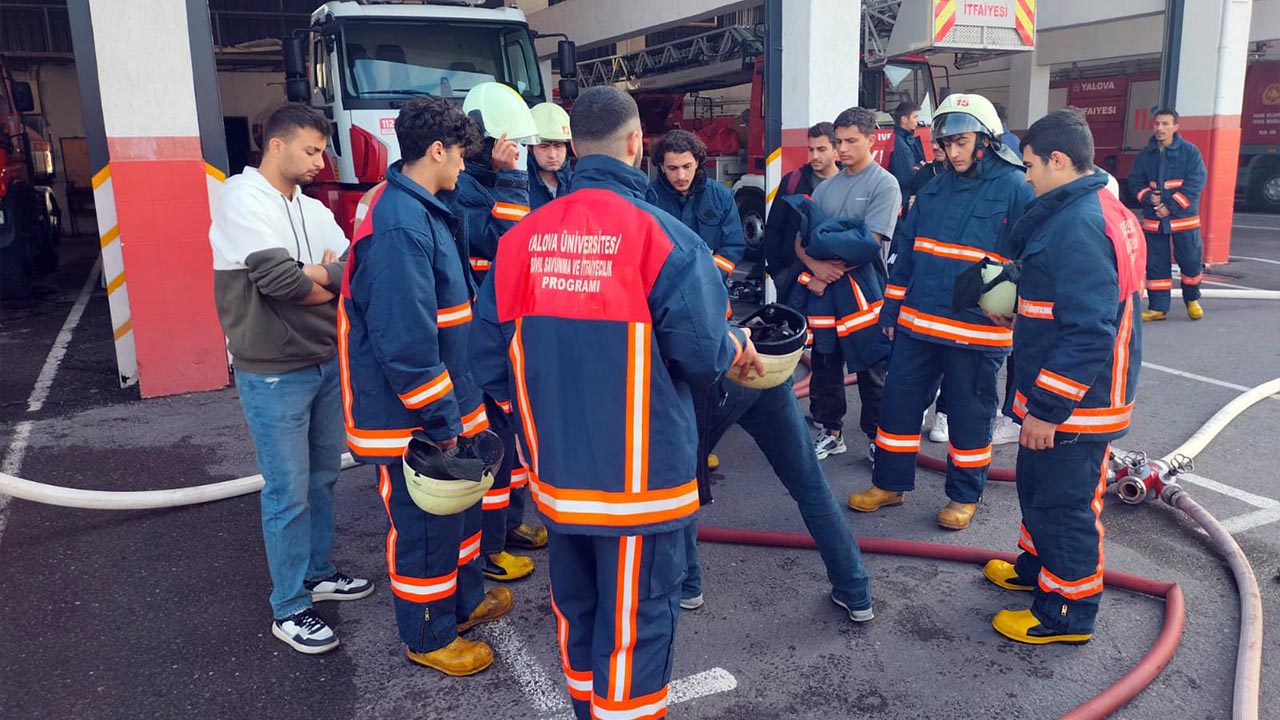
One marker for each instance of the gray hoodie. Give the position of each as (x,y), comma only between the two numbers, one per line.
(258,237)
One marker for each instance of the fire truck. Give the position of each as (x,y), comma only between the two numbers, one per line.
(360,61)
(29,213)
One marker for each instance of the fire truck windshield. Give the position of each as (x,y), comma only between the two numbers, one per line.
(390,60)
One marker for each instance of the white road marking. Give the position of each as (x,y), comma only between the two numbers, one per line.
(1229,285)
(1249,521)
(1243,496)
(544,694)
(699,685)
(1254,259)
(44,381)
(1199,378)
(1254,227)
(17,451)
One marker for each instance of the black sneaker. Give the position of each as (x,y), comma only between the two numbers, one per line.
(339,587)
(306,632)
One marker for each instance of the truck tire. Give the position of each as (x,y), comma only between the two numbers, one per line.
(16,262)
(1264,193)
(751,210)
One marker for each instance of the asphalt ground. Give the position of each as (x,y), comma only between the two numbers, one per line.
(163,614)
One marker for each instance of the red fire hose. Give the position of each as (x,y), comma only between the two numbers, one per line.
(1102,704)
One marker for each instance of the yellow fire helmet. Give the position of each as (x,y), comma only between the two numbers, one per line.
(446,482)
(1001,299)
(499,110)
(552,122)
(779,334)
(963,113)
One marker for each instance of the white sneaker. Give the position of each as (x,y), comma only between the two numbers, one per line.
(692,603)
(340,587)
(1005,431)
(856,615)
(829,444)
(306,632)
(939,433)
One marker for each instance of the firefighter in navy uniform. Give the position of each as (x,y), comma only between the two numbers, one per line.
(407,270)
(491,197)
(1167,178)
(549,172)
(1078,341)
(602,318)
(958,218)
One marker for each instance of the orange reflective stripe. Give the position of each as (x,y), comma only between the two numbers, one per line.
(579,681)
(503,405)
(480,264)
(456,315)
(1164,284)
(724,264)
(497,498)
(1024,540)
(1143,192)
(1191,280)
(1151,225)
(613,509)
(344,363)
(637,405)
(738,347)
(515,352)
(1035,309)
(626,611)
(895,292)
(954,330)
(510,211)
(1172,184)
(475,422)
(822,321)
(1181,200)
(808,338)
(646,707)
(897,443)
(857,294)
(955,252)
(378,443)
(418,590)
(428,392)
(1085,420)
(1061,385)
(969,458)
(519,478)
(1071,589)
(469,549)
(1182,224)
(1120,356)
(850,324)
(804,278)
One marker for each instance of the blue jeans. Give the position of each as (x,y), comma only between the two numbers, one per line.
(295,419)
(772,418)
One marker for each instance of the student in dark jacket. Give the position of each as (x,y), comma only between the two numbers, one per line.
(783,224)
(703,205)
(403,326)
(1079,345)
(549,172)
(908,151)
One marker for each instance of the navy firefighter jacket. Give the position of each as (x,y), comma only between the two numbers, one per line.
(956,221)
(601,318)
(403,326)
(1078,336)
(1178,173)
(710,211)
(488,203)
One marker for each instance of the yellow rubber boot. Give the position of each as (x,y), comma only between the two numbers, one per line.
(1153,315)
(504,566)
(713,462)
(956,515)
(459,658)
(1022,626)
(527,537)
(873,498)
(1194,311)
(1004,575)
(495,606)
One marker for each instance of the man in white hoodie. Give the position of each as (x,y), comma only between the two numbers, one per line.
(278,258)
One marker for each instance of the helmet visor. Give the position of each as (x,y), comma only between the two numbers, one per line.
(953,124)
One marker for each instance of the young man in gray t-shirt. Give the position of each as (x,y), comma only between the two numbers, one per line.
(868,192)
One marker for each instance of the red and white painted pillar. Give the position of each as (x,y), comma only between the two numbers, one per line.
(1210,93)
(150,97)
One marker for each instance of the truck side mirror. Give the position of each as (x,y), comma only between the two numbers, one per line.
(23,99)
(568,51)
(295,70)
(568,88)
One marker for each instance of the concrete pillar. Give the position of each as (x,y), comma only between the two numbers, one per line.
(1209,96)
(151,105)
(1028,91)
(821,61)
